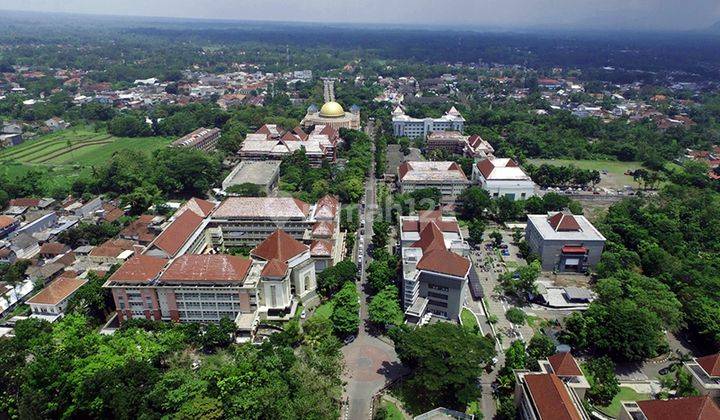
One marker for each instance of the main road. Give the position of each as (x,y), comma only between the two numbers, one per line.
(370,363)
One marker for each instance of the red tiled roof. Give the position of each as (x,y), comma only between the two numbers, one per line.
(563,222)
(327,207)
(688,408)
(403,169)
(24,202)
(431,238)
(53,248)
(711,364)
(112,248)
(201,207)
(138,229)
(112,213)
(179,231)
(321,248)
(207,267)
(444,262)
(6,221)
(139,269)
(289,136)
(574,250)
(57,291)
(323,229)
(300,133)
(485,167)
(279,246)
(274,268)
(550,397)
(564,364)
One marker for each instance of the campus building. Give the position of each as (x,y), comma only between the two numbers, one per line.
(204,139)
(564,242)
(705,374)
(208,287)
(270,142)
(454,142)
(502,177)
(50,302)
(407,126)
(687,408)
(435,266)
(448,177)
(247,221)
(555,392)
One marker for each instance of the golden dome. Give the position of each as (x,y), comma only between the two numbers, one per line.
(332,110)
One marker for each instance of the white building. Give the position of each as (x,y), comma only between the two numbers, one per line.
(50,303)
(406,126)
(503,178)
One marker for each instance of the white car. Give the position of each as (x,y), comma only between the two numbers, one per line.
(303,314)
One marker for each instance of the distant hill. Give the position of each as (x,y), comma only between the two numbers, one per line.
(715,28)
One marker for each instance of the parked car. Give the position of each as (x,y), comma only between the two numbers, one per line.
(349,339)
(303,314)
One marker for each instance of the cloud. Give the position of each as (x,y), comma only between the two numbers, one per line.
(642,14)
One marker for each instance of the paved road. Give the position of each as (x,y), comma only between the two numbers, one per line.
(370,362)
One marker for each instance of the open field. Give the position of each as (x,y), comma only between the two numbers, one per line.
(70,153)
(615,177)
(625,394)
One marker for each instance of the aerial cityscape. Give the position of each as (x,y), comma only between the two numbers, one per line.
(245,209)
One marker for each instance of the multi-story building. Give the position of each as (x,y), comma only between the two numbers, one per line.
(455,142)
(564,242)
(435,266)
(503,178)
(270,143)
(247,221)
(705,374)
(209,287)
(406,126)
(447,177)
(687,408)
(556,392)
(203,139)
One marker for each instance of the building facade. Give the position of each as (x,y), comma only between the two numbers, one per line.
(447,177)
(503,178)
(50,303)
(406,126)
(564,242)
(204,139)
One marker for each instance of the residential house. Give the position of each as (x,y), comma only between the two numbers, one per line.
(50,303)
(7,225)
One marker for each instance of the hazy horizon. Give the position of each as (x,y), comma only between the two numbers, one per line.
(501,14)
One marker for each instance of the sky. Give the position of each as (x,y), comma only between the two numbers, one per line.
(510,14)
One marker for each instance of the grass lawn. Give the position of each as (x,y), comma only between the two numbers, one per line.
(70,153)
(468,318)
(625,394)
(393,411)
(615,177)
(324,310)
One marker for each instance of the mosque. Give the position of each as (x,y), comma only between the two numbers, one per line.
(332,114)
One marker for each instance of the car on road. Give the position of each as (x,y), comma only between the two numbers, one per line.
(303,314)
(349,339)
(665,370)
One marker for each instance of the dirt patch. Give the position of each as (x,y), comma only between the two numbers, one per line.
(568,280)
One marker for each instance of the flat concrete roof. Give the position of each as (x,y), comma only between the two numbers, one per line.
(258,173)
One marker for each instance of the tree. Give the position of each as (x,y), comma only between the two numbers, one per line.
(379,275)
(127,125)
(384,309)
(381,231)
(521,282)
(445,360)
(346,316)
(141,198)
(332,279)
(515,356)
(473,202)
(539,347)
(91,299)
(426,198)
(515,315)
(497,238)
(185,171)
(476,229)
(604,384)
(246,189)
(517,235)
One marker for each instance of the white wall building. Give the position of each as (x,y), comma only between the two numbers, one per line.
(503,178)
(407,126)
